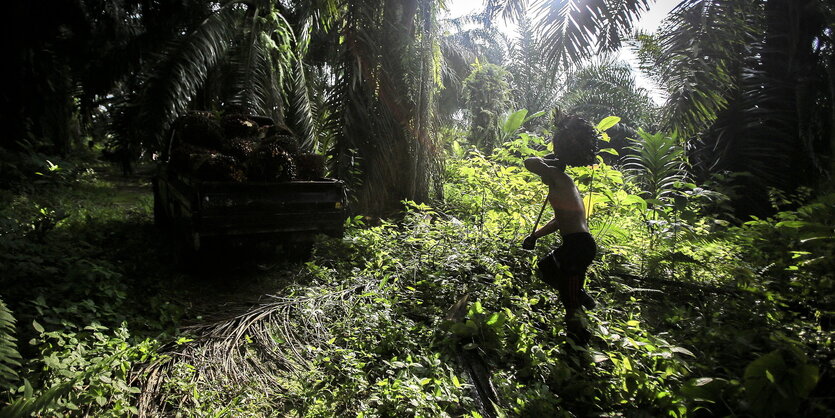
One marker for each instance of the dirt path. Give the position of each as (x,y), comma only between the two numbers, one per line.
(231,282)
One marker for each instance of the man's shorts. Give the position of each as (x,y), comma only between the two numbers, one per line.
(572,258)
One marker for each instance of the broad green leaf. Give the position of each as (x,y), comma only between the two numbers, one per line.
(534,116)
(607,123)
(514,121)
(682,350)
(792,224)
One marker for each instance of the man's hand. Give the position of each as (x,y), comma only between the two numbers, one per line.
(529,243)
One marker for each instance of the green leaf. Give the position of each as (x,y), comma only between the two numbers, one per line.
(682,350)
(609,151)
(607,123)
(27,389)
(792,224)
(534,116)
(514,121)
(38,327)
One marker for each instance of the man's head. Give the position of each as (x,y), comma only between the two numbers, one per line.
(574,140)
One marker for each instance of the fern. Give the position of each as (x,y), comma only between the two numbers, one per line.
(9,356)
(658,165)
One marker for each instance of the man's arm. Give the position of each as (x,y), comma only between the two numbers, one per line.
(543,169)
(530,242)
(546,229)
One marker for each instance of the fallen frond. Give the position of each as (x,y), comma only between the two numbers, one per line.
(254,351)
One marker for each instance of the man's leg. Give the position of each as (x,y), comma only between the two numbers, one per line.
(575,328)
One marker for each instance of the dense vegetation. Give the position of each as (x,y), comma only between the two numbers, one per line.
(713,212)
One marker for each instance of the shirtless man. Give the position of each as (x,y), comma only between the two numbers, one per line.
(565,267)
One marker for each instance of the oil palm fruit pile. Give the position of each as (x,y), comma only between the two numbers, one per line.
(240,148)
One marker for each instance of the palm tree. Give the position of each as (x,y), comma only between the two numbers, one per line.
(606,87)
(750,85)
(532,85)
(74,57)
(465,40)
(386,72)
(243,55)
(487,95)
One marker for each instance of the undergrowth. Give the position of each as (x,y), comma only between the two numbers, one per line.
(695,317)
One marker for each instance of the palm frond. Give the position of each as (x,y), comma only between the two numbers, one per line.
(182,70)
(9,355)
(573,30)
(658,164)
(261,348)
(607,87)
(511,10)
(697,56)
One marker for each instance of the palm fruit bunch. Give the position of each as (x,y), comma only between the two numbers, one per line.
(187,157)
(310,166)
(285,141)
(238,125)
(238,147)
(200,129)
(219,167)
(575,140)
(270,162)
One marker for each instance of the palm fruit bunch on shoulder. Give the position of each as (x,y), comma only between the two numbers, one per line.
(270,162)
(310,166)
(199,128)
(219,167)
(575,140)
(238,125)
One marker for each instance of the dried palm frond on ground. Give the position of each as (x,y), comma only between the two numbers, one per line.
(255,352)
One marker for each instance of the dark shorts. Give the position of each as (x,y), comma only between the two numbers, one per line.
(565,267)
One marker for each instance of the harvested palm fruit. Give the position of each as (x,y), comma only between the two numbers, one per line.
(239,126)
(574,140)
(240,148)
(201,129)
(219,167)
(187,157)
(310,166)
(286,142)
(271,163)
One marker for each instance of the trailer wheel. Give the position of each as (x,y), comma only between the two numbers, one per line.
(161,219)
(298,251)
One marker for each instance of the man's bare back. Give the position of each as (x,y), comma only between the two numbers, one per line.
(565,199)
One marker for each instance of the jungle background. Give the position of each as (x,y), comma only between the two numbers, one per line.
(714,210)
